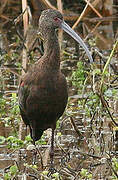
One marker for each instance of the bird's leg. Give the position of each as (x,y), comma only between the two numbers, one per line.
(34,143)
(52,169)
(26,132)
(40,157)
(52,149)
(34,151)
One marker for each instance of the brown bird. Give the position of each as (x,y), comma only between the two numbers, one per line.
(43,89)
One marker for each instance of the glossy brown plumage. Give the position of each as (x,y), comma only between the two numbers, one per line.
(43,89)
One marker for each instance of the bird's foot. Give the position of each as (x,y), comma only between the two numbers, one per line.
(52,170)
(32,149)
(34,158)
(40,157)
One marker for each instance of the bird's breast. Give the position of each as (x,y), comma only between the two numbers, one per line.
(48,93)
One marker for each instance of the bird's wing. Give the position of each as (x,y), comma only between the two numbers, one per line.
(23,93)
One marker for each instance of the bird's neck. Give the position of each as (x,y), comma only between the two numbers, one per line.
(52,50)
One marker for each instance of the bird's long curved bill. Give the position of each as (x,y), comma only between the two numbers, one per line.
(75,36)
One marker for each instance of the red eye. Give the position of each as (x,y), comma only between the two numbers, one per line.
(57,19)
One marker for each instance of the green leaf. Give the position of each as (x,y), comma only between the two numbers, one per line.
(2,139)
(28,138)
(13,169)
(89,176)
(59,134)
(45,173)
(13,95)
(56,175)
(83,172)
(7,176)
(97,71)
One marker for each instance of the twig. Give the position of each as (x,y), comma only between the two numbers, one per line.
(15,21)
(93,8)
(100,54)
(109,162)
(94,29)
(92,120)
(104,58)
(75,127)
(12,70)
(48,4)
(25,23)
(105,104)
(90,155)
(60,32)
(97,19)
(80,17)
(94,4)
(24,54)
(33,176)
(100,36)
(107,63)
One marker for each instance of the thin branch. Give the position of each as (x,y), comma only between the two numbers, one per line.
(60,33)
(110,164)
(105,104)
(92,7)
(80,17)
(75,127)
(24,55)
(48,4)
(25,24)
(107,63)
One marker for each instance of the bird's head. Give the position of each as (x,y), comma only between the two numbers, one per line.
(52,19)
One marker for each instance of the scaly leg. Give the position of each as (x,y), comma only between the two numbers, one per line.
(52,148)
(52,169)
(34,151)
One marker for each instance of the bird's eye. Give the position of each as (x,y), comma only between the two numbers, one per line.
(56,19)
